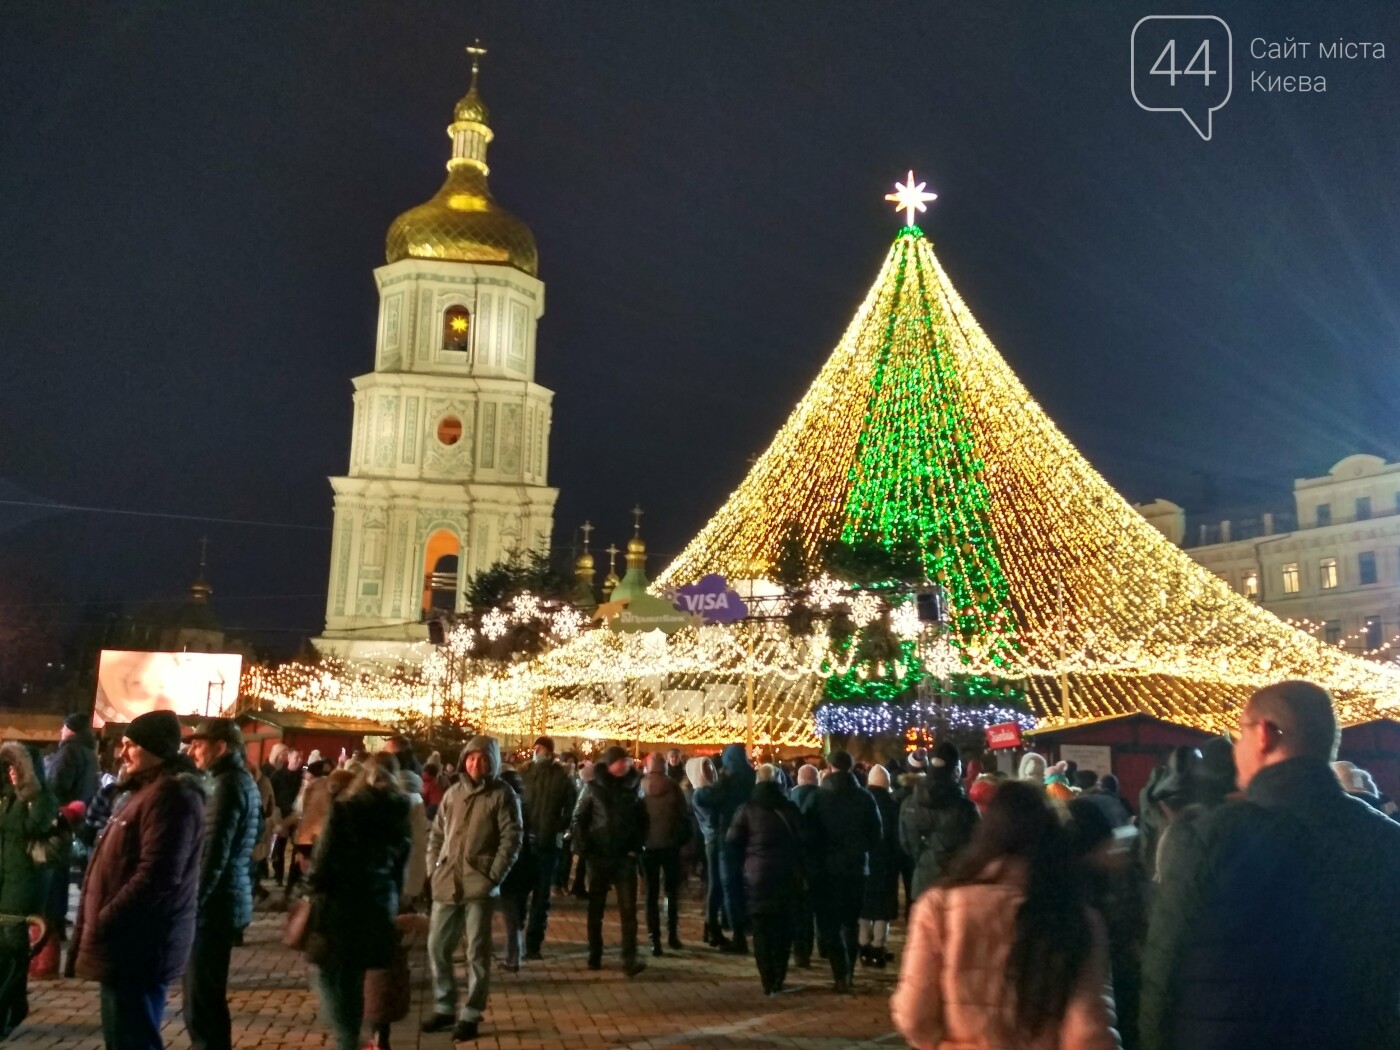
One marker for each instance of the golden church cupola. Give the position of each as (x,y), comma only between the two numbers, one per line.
(462,222)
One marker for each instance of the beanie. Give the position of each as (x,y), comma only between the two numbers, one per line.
(546,742)
(945,753)
(157,732)
(611,755)
(77,722)
(840,760)
(879,777)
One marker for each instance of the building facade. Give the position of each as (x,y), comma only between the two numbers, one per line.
(449,452)
(1331,563)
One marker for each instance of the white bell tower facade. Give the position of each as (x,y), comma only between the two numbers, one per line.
(449,454)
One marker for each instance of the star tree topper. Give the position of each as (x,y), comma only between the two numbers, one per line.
(909,197)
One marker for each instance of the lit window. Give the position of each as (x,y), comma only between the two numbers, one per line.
(1375,634)
(456,328)
(1324,514)
(1327,573)
(1251,585)
(1366,566)
(1290,578)
(1363,508)
(449,430)
(1332,632)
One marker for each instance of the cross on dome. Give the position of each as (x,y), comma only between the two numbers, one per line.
(909,197)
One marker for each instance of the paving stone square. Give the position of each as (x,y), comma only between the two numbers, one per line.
(693,998)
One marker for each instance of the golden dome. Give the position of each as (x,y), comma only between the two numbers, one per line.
(585,562)
(472,108)
(463,223)
(636,546)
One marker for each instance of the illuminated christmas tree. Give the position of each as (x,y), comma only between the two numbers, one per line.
(917,440)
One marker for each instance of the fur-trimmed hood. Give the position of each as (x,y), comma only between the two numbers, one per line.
(28,781)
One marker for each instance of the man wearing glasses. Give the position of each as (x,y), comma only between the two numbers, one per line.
(1280,923)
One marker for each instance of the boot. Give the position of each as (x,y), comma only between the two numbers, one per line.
(656,945)
(738,946)
(674,941)
(866,958)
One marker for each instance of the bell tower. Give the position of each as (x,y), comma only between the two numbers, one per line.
(449,451)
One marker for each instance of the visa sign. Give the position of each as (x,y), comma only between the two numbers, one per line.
(712,599)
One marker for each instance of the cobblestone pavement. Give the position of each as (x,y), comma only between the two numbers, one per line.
(692,998)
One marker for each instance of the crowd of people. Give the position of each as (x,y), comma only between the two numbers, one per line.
(1249,899)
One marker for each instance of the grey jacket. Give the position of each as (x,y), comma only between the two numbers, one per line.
(477,834)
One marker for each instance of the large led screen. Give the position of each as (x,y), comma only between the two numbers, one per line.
(132,683)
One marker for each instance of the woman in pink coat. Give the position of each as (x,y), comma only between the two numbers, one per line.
(1004,955)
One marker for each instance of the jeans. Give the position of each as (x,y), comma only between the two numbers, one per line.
(546,861)
(714,888)
(342,993)
(772,941)
(131,1017)
(605,874)
(206,989)
(839,901)
(445,930)
(663,866)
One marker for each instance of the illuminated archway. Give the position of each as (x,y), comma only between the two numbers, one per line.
(441,557)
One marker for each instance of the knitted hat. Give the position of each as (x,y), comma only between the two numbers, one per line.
(546,742)
(879,777)
(840,760)
(611,755)
(945,754)
(77,722)
(157,732)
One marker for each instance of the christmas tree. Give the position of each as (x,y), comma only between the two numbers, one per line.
(917,439)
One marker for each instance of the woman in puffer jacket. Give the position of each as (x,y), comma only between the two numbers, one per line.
(1004,953)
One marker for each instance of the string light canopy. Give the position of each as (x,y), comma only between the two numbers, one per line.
(917,434)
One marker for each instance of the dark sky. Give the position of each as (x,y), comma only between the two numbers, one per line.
(195,196)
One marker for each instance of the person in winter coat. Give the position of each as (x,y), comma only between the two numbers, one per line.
(267,805)
(285,776)
(1273,924)
(27,812)
(881,904)
(844,825)
(1104,794)
(736,781)
(704,803)
(232,827)
(767,829)
(804,915)
(937,820)
(136,919)
(311,810)
(71,775)
(1005,953)
(548,806)
(71,771)
(610,830)
(475,840)
(357,868)
(668,828)
(415,875)
(515,888)
(1111,876)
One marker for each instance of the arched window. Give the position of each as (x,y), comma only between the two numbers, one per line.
(456,329)
(440,561)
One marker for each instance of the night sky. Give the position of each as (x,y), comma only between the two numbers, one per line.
(195,197)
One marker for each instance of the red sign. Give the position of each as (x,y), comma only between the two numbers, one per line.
(1007,734)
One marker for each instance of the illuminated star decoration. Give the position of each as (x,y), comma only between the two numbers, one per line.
(909,197)
(459,324)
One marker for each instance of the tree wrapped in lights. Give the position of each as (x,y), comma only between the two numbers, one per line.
(917,436)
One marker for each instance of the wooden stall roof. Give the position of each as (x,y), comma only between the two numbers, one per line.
(30,725)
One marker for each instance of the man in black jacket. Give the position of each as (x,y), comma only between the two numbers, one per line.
(1277,917)
(233,826)
(610,829)
(548,804)
(844,826)
(71,773)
